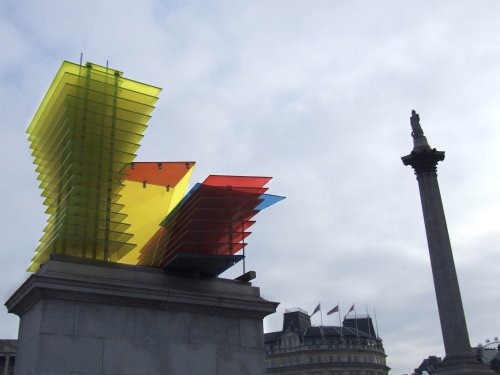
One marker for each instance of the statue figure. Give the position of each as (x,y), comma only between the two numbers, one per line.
(419,140)
(415,125)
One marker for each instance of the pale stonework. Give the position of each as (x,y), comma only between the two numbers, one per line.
(96,318)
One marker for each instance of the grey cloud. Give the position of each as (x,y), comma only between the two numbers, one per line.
(317,96)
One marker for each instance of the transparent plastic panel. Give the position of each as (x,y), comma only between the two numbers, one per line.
(83,138)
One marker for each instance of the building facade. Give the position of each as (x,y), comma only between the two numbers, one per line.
(302,349)
(7,356)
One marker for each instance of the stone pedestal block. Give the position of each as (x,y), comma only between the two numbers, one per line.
(98,318)
(466,369)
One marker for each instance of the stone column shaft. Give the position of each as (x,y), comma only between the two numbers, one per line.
(459,359)
(451,312)
(6,368)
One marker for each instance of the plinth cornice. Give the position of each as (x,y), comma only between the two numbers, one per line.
(135,286)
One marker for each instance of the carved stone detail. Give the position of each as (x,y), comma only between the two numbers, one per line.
(424,160)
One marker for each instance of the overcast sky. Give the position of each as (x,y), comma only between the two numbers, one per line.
(318,95)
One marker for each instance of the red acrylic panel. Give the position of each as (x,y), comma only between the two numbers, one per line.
(158,173)
(213,220)
(247,181)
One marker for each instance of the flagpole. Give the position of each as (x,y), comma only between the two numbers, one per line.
(368,321)
(321,317)
(376,324)
(356,320)
(340,324)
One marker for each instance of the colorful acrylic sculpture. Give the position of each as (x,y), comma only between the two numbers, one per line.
(151,191)
(103,206)
(212,219)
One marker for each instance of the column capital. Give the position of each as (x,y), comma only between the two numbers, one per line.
(423,160)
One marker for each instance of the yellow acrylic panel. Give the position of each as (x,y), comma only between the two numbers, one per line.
(83,136)
(146,205)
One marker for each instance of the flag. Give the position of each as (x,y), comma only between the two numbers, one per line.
(351,309)
(316,309)
(334,310)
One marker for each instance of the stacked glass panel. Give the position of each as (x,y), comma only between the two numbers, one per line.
(213,219)
(84,137)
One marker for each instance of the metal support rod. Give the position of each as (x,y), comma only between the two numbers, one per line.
(243,240)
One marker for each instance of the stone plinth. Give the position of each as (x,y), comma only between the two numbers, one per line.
(97,318)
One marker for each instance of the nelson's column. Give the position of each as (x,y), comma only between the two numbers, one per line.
(459,359)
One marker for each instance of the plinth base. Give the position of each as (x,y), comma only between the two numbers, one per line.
(98,318)
(463,364)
